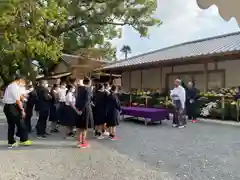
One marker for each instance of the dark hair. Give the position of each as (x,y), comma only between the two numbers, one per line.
(72,80)
(19,77)
(55,86)
(86,81)
(62,82)
(105,85)
(100,86)
(68,88)
(113,88)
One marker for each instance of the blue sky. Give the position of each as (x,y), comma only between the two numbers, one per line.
(183,21)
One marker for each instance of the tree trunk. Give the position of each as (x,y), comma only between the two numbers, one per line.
(126,55)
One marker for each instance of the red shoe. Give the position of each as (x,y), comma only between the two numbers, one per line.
(194,121)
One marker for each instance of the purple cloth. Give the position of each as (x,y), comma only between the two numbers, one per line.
(152,113)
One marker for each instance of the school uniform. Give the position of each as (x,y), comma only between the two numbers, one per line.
(29,109)
(191,103)
(44,100)
(83,104)
(53,117)
(70,114)
(62,98)
(113,110)
(13,113)
(100,108)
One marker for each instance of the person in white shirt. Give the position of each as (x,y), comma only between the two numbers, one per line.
(61,92)
(70,111)
(178,96)
(15,113)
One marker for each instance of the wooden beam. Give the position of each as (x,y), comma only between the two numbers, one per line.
(161,76)
(81,66)
(216,65)
(130,81)
(205,77)
(141,79)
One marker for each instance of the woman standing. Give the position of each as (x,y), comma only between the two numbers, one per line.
(83,104)
(100,111)
(54,109)
(113,112)
(70,112)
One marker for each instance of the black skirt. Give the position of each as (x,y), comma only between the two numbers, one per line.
(53,117)
(113,118)
(100,116)
(83,120)
(69,118)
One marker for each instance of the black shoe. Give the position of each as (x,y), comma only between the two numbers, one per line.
(41,136)
(54,131)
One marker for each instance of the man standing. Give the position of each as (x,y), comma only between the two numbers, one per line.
(44,98)
(178,95)
(14,112)
(191,104)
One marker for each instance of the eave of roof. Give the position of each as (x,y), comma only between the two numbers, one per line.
(204,47)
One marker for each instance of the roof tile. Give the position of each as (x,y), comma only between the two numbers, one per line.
(210,46)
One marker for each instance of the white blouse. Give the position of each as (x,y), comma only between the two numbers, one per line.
(70,99)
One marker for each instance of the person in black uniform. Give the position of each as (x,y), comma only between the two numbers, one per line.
(37,102)
(100,99)
(53,117)
(83,105)
(44,99)
(32,95)
(191,101)
(113,112)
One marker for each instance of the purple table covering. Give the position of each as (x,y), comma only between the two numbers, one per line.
(152,113)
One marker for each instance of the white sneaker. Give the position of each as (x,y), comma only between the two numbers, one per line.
(10,146)
(16,137)
(180,127)
(174,125)
(100,137)
(106,133)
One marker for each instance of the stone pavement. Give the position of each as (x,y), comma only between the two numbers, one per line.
(201,151)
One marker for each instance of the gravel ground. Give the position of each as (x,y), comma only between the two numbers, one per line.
(201,151)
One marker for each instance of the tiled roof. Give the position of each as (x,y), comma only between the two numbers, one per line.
(210,46)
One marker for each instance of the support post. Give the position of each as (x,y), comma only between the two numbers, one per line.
(205,77)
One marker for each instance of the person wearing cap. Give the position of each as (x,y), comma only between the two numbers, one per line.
(15,113)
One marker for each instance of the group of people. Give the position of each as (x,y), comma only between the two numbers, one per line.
(185,103)
(74,106)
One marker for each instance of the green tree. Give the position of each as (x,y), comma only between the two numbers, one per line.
(26,34)
(93,23)
(126,50)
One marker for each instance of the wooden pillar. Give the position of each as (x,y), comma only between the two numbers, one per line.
(205,77)
(141,79)
(161,79)
(215,65)
(130,81)
(110,78)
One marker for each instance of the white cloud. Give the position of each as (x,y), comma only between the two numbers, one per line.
(182,21)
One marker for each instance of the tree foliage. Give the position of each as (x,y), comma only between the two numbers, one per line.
(26,33)
(93,23)
(43,29)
